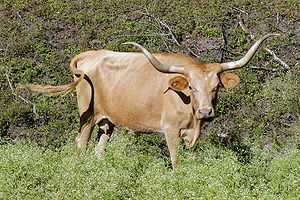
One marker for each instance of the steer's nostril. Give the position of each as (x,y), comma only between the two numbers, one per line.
(210,111)
(206,112)
(202,111)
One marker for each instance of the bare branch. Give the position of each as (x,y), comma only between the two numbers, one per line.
(222,135)
(24,22)
(5,51)
(144,35)
(281,62)
(285,66)
(20,17)
(225,46)
(240,10)
(245,29)
(263,68)
(176,41)
(19,96)
(164,24)
(167,31)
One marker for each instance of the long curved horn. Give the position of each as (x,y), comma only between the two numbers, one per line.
(244,60)
(158,65)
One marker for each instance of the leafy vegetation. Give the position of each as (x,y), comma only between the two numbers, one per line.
(129,171)
(249,151)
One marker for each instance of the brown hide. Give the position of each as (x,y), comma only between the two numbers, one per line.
(129,91)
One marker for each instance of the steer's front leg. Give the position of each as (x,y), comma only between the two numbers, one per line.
(172,136)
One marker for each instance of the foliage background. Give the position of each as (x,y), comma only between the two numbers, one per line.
(257,155)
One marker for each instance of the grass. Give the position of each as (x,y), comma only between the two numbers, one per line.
(130,171)
(257,159)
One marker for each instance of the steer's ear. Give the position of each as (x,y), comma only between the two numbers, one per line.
(229,80)
(178,83)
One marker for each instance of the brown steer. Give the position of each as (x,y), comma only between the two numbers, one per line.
(167,93)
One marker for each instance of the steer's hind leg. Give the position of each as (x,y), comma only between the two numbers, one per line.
(84,135)
(172,140)
(104,133)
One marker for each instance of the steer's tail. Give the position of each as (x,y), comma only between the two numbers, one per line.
(60,89)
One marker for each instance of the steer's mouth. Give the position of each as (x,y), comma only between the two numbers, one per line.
(201,117)
(204,115)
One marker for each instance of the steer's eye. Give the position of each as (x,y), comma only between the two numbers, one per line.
(194,89)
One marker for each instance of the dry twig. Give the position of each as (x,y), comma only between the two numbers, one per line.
(263,68)
(225,46)
(245,29)
(269,51)
(145,35)
(285,66)
(22,20)
(167,31)
(240,10)
(19,96)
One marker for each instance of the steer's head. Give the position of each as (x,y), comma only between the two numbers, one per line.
(202,80)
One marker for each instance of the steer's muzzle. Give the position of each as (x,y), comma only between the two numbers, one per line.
(205,113)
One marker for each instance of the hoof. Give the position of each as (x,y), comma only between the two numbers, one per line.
(99,151)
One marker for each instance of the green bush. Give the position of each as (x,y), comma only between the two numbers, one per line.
(131,170)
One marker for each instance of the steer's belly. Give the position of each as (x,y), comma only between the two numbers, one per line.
(144,120)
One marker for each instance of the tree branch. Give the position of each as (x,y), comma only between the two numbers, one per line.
(22,20)
(19,96)
(285,66)
(167,31)
(263,68)
(269,51)
(240,10)
(245,29)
